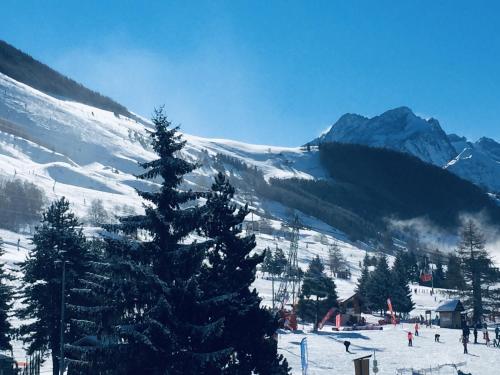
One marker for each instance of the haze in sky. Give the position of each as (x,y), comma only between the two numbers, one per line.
(275,72)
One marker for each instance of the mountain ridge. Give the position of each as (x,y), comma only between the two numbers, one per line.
(400,129)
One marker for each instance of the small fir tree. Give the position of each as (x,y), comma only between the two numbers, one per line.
(362,285)
(336,260)
(400,291)
(380,285)
(318,293)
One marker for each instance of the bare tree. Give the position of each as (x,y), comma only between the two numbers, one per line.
(96,213)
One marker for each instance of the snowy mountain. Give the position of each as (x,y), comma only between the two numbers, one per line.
(398,129)
(478,162)
(84,152)
(401,130)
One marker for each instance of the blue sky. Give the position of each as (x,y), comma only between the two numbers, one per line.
(274,72)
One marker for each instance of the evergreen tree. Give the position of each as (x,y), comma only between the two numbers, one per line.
(380,285)
(114,298)
(363,281)
(279,261)
(227,276)
(268,262)
(336,260)
(6,296)
(454,276)
(400,292)
(439,275)
(318,293)
(58,239)
(477,268)
(411,265)
(170,329)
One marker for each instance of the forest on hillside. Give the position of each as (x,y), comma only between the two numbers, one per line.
(369,185)
(23,68)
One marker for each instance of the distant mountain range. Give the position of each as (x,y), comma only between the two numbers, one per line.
(401,130)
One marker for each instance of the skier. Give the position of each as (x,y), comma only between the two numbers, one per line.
(410,338)
(465,340)
(466,331)
(475,334)
(497,333)
(347,344)
(485,331)
(416,329)
(487,338)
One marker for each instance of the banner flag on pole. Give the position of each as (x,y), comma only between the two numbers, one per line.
(338,320)
(327,317)
(393,317)
(304,360)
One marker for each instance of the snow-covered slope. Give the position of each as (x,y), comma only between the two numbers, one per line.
(478,162)
(84,152)
(398,129)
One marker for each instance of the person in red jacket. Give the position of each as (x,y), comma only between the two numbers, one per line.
(416,329)
(410,338)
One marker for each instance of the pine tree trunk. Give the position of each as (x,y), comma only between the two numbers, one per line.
(477,298)
(55,364)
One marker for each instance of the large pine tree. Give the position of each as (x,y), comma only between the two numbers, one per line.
(115,297)
(227,277)
(454,275)
(6,296)
(477,268)
(58,239)
(165,323)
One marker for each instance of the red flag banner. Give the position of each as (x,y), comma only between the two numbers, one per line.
(327,317)
(393,317)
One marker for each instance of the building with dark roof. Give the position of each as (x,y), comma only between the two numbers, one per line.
(450,314)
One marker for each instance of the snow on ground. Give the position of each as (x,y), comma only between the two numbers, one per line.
(327,353)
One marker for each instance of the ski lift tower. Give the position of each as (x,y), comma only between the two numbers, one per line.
(290,282)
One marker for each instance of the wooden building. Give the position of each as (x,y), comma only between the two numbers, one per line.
(351,309)
(450,314)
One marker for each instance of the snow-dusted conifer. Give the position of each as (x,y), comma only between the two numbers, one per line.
(58,239)
(169,330)
(227,277)
(400,292)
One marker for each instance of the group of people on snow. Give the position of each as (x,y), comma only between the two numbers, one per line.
(465,335)
(475,332)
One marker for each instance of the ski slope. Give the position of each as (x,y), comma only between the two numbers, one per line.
(84,153)
(327,353)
